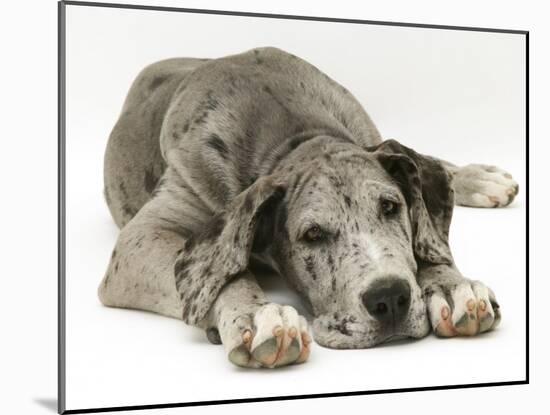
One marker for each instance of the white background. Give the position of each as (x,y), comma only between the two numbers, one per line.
(458,95)
(29,219)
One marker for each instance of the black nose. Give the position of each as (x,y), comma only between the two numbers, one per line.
(388,300)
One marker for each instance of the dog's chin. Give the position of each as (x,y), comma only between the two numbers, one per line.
(396,338)
(347,332)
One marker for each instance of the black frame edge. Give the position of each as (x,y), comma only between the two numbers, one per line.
(61,210)
(527,137)
(61,334)
(290,17)
(292,397)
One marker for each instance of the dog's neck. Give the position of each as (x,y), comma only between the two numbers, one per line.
(292,150)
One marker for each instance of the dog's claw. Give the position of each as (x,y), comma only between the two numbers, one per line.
(445,313)
(247,337)
(482,305)
(278,331)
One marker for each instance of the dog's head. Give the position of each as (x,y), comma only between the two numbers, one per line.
(349,233)
(347,230)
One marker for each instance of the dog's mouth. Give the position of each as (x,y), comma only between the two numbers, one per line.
(349,332)
(396,338)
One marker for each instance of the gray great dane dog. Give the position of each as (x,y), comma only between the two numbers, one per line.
(217,163)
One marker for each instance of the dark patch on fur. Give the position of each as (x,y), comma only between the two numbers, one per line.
(265,214)
(214,228)
(347,200)
(201,119)
(330,261)
(263,236)
(248,204)
(181,270)
(213,335)
(436,188)
(150,180)
(272,201)
(217,144)
(157,81)
(257,58)
(158,186)
(342,325)
(310,267)
(122,189)
(296,141)
(428,292)
(128,210)
(211,102)
(282,218)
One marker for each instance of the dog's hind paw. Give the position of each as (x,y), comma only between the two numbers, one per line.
(464,309)
(270,337)
(479,185)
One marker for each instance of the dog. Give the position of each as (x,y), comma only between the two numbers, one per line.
(217,164)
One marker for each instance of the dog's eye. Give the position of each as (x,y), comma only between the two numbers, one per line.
(389,207)
(314,233)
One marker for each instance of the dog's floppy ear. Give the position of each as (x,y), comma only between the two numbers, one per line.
(212,258)
(427,188)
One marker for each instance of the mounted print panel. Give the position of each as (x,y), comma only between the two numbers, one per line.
(260,207)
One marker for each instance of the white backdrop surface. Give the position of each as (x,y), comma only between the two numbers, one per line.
(454,94)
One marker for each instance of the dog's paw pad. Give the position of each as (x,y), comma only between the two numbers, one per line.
(240,356)
(213,335)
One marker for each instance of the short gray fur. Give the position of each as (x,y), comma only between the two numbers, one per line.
(214,161)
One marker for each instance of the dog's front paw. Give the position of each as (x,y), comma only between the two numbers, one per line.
(463,308)
(271,336)
(479,185)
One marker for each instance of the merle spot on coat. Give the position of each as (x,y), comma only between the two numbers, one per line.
(150,180)
(157,81)
(217,144)
(213,229)
(257,57)
(347,200)
(310,267)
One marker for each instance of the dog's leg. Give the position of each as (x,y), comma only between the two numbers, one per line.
(140,274)
(177,259)
(456,305)
(254,332)
(480,185)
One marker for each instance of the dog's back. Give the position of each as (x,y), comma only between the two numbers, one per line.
(133,163)
(225,120)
